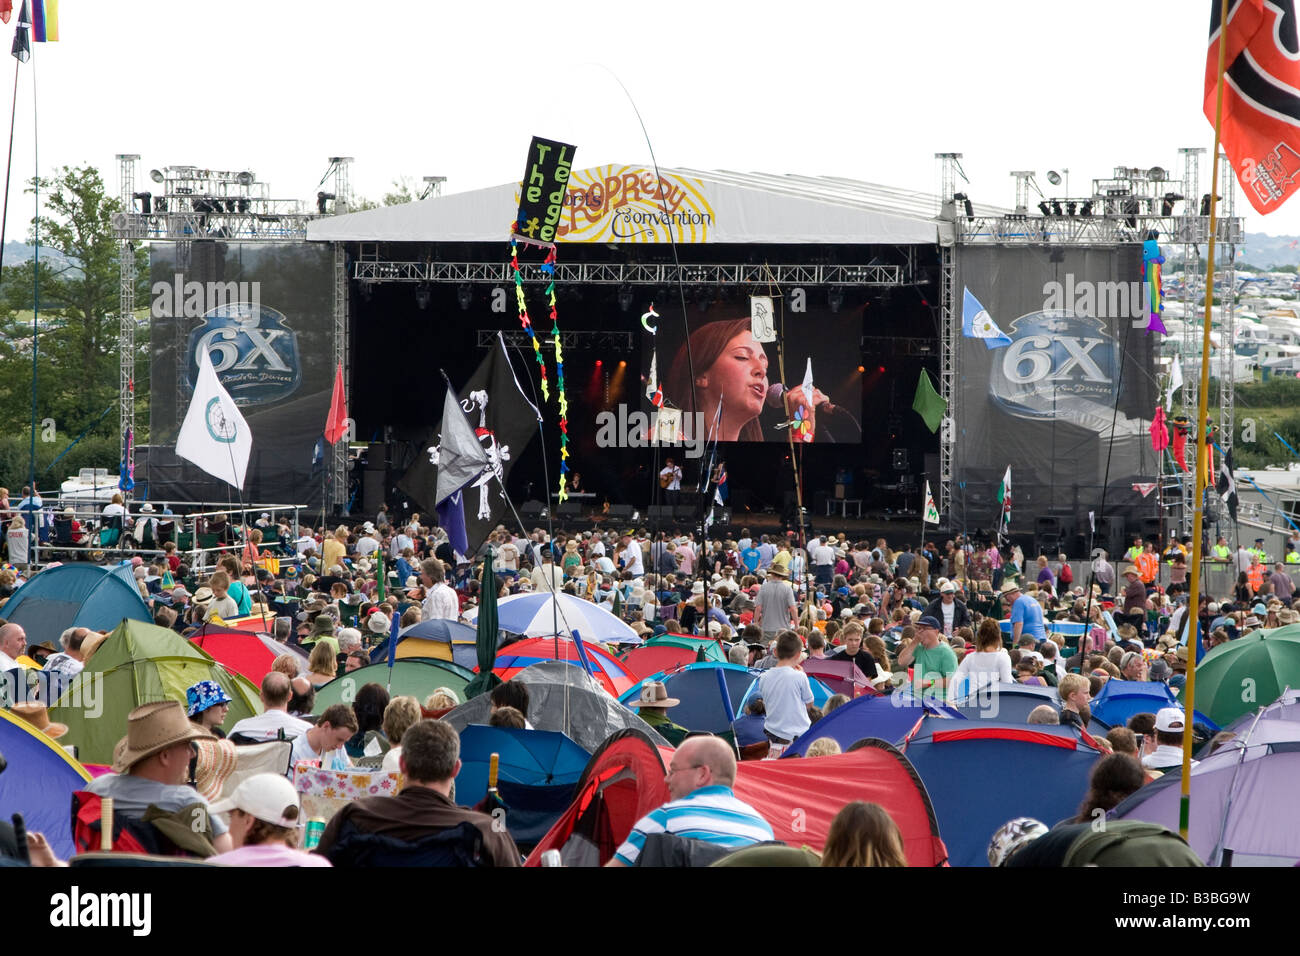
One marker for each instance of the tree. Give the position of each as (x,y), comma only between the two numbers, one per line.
(82,290)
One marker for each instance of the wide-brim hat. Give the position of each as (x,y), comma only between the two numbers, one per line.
(778,571)
(1129,569)
(654,694)
(1008,587)
(38,716)
(152,728)
(216,760)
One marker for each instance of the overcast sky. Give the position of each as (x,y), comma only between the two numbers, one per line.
(869,90)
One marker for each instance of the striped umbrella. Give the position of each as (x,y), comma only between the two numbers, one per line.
(543,615)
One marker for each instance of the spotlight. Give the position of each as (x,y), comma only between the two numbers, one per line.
(1205,204)
(1131,209)
(1086,208)
(1056,207)
(1167,203)
(625,297)
(321,199)
(465,296)
(861,369)
(880,368)
(1071,208)
(966,203)
(622,364)
(245,205)
(156,175)
(145,200)
(599,363)
(422,296)
(244,179)
(835,298)
(1044,208)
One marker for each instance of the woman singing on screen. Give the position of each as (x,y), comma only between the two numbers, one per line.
(731,365)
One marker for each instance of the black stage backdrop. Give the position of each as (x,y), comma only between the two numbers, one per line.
(264,311)
(1045,404)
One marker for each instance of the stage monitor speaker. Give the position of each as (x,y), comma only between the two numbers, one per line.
(1151,529)
(900,459)
(624,512)
(660,512)
(531,509)
(685,512)
(569,509)
(1047,525)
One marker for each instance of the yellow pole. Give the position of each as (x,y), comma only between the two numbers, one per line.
(1194,574)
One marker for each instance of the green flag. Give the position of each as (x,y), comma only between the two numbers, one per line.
(928,403)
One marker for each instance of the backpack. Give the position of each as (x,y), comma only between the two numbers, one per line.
(1131,843)
(1066,575)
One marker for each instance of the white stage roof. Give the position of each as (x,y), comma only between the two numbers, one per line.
(624,204)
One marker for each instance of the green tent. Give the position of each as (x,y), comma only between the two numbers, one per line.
(416,677)
(712,649)
(1237,677)
(138,664)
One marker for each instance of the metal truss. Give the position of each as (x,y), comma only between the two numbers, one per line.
(1106,229)
(595,273)
(339,461)
(573,339)
(949,342)
(261,226)
(916,347)
(126,321)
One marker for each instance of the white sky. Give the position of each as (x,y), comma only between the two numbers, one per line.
(869,90)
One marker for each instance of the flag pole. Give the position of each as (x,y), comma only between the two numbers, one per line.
(1194,574)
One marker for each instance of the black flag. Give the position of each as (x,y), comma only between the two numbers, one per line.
(505,423)
(1225,485)
(22,47)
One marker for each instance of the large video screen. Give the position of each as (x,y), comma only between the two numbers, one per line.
(747,379)
(1071,399)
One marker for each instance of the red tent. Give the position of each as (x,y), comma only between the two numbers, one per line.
(242,652)
(800,798)
(650,659)
(622,783)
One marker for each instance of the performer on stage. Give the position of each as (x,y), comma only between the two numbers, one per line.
(670,479)
(719,479)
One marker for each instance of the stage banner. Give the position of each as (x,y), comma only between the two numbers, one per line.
(732,366)
(263,312)
(542,190)
(1074,389)
(634,204)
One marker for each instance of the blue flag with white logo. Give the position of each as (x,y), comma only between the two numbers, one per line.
(976,323)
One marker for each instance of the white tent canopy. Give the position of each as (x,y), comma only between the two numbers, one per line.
(624,204)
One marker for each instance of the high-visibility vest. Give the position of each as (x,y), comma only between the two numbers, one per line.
(1255,576)
(1221,552)
(1293,557)
(1132,553)
(1147,565)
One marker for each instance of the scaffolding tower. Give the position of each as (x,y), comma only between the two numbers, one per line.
(126,321)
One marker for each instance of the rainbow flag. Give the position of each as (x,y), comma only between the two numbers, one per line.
(45,21)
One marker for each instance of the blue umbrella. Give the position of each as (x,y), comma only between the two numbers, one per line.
(541,615)
(537,758)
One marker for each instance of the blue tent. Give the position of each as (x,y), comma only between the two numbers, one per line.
(1119,700)
(1013,703)
(700,688)
(459,640)
(531,757)
(76,595)
(980,774)
(884,718)
(39,782)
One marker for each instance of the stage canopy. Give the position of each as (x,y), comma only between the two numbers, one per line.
(624,204)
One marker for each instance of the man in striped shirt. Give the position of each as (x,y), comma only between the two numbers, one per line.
(702,805)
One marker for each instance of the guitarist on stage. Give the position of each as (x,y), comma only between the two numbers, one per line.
(670,479)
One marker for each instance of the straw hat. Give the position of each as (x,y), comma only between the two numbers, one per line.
(654,694)
(38,716)
(1008,587)
(152,728)
(215,762)
(1129,569)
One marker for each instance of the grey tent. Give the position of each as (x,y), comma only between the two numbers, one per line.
(562,697)
(1242,799)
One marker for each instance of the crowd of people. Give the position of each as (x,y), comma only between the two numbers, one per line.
(921,621)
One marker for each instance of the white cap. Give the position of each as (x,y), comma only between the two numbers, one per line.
(268,797)
(1169,719)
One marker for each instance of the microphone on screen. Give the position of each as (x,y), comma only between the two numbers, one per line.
(777,390)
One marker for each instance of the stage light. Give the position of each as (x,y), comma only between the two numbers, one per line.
(465,296)
(622,364)
(321,199)
(1205,204)
(1054,177)
(1167,203)
(880,369)
(1044,208)
(1086,208)
(156,175)
(245,205)
(966,203)
(1056,207)
(625,297)
(245,179)
(1071,208)
(861,369)
(422,296)
(145,200)
(599,363)
(835,298)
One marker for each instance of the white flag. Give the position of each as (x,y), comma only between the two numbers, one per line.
(1175,382)
(214,435)
(931,512)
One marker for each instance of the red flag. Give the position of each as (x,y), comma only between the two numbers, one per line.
(1261,106)
(6,10)
(337,424)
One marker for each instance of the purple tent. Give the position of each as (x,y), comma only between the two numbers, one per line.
(39,782)
(1242,799)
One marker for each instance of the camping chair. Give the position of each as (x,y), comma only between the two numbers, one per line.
(185,541)
(459,846)
(668,849)
(110,531)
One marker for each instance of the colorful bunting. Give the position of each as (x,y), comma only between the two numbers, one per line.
(524,320)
